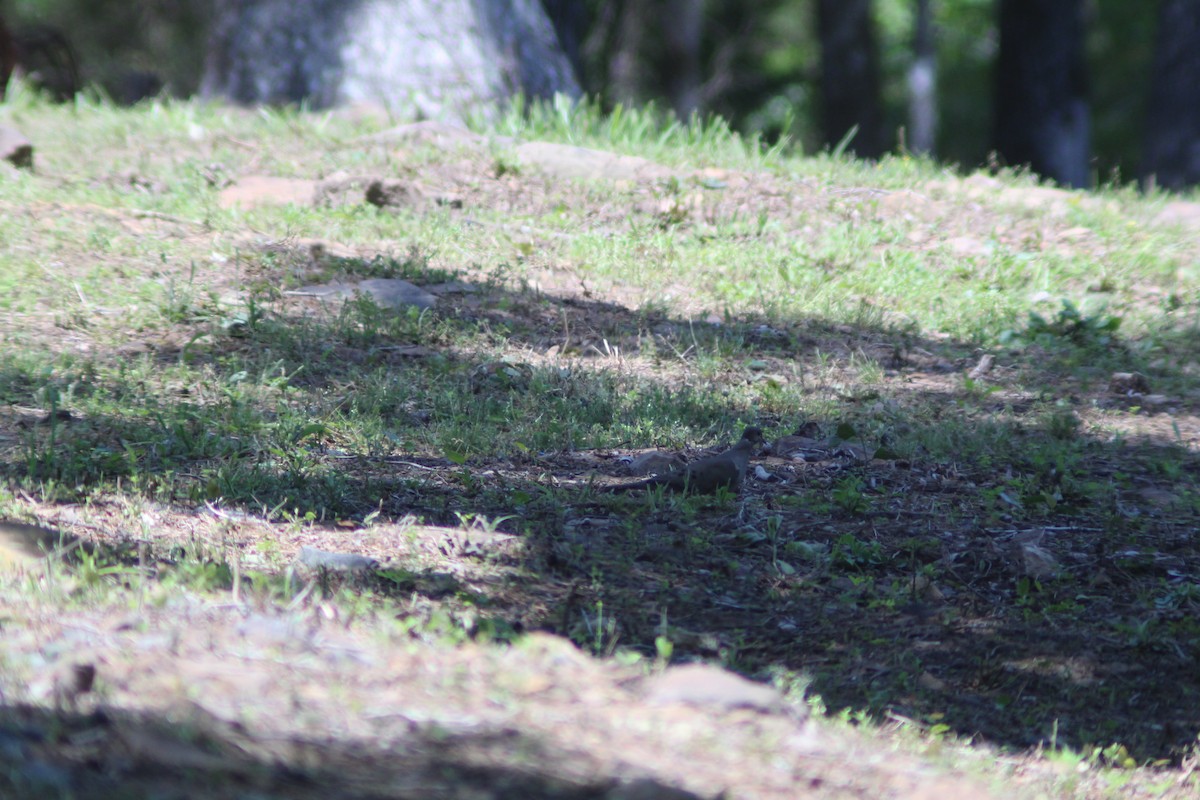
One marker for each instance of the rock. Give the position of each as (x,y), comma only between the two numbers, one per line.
(452,287)
(15,148)
(385,292)
(711,687)
(1160,498)
(282,631)
(396,293)
(903,201)
(313,558)
(1036,561)
(253,191)
(1180,212)
(569,161)
(967,246)
(931,682)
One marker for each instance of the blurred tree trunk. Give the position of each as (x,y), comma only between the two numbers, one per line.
(683,28)
(571,22)
(850,75)
(630,73)
(922,84)
(416,58)
(1171,155)
(1041,89)
(8,58)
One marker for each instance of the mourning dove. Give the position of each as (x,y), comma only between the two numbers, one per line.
(705,475)
(23,546)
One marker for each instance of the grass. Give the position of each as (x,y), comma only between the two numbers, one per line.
(1028,522)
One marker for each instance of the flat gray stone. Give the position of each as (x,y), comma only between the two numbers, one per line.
(396,293)
(253,191)
(711,687)
(313,558)
(1180,212)
(385,292)
(569,161)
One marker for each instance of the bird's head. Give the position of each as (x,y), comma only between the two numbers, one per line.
(753,435)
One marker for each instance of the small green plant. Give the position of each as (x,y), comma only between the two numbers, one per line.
(1028,590)
(1182,595)
(1062,424)
(848,495)
(603,633)
(94,570)
(505,164)
(1068,325)
(201,575)
(978,389)
(480,522)
(774,527)
(850,552)
(1141,633)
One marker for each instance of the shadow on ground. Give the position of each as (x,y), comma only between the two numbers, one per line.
(991,568)
(114,753)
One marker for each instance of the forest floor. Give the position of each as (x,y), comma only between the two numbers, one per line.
(330,403)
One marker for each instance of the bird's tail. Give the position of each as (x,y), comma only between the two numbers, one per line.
(632,487)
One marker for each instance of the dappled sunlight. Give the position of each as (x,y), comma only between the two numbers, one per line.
(975,513)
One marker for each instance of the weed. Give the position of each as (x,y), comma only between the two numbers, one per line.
(848,495)
(1070,325)
(849,552)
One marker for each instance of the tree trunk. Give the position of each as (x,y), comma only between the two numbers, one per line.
(1041,93)
(630,73)
(416,58)
(1172,140)
(682,27)
(922,84)
(850,75)
(8,58)
(570,19)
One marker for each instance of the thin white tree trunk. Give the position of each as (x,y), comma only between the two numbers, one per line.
(922,84)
